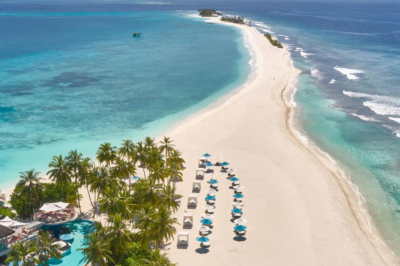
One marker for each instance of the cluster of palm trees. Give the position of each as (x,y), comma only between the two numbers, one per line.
(138,212)
(146,206)
(32,253)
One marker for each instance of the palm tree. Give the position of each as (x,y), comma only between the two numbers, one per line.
(2,197)
(97,250)
(154,156)
(75,168)
(176,157)
(106,153)
(149,143)
(175,172)
(157,259)
(158,172)
(119,234)
(147,191)
(162,226)
(30,182)
(59,173)
(19,253)
(128,150)
(46,248)
(168,198)
(123,169)
(86,176)
(167,146)
(141,156)
(144,219)
(115,202)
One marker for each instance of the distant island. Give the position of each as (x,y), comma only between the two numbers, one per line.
(210,13)
(273,41)
(233,19)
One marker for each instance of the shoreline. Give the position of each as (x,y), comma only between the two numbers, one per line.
(361,217)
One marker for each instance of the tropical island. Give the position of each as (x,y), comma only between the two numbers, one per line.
(273,41)
(233,19)
(133,216)
(209,13)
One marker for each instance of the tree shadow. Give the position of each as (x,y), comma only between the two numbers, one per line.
(202,250)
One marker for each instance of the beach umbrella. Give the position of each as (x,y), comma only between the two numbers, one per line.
(224,164)
(207,216)
(240,227)
(210,197)
(207,155)
(206,221)
(236,210)
(234,179)
(203,239)
(209,164)
(211,191)
(240,221)
(213,181)
(135,177)
(67,237)
(203,228)
(237,204)
(238,196)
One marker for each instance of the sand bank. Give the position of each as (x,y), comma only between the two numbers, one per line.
(299,210)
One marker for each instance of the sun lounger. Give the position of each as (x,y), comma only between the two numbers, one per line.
(205,244)
(210,201)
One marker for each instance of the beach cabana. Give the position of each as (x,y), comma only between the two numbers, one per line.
(196,185)
(5,232)
(192,200)
(188,219)
(7,221)
(183,238)
(202,161)
(200,173)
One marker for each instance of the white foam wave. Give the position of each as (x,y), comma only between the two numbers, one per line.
(381,105)
(349,73)
(365,118)
(316,74)
(302,53)
(333,81)
(260,24)
(395,119)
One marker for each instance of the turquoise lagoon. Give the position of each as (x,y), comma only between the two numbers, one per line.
(72,80)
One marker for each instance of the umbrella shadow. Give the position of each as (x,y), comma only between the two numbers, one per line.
(240,238)
(202,250)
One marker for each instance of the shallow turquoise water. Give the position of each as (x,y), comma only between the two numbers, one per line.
(73,79)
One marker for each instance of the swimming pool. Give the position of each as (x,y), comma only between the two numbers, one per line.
(79,228)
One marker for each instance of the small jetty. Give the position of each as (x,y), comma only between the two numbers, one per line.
(137,34)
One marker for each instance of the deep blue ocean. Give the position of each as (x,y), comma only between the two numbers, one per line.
(71,76)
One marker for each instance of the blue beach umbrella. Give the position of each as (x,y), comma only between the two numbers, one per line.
(67,237)
(206,221)
(208,164)
(206,155)
(135,177)
(236,210)
(234,179)
(203,239)
(238,196)
(240,227)
(213,181)
(210,198)
(224,164)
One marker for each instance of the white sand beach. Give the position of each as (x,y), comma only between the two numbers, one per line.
(299,210)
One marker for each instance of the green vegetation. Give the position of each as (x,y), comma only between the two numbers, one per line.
(207,12)
(31,253)
(3,210)
(147,206)
(237,19)
(273,41)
